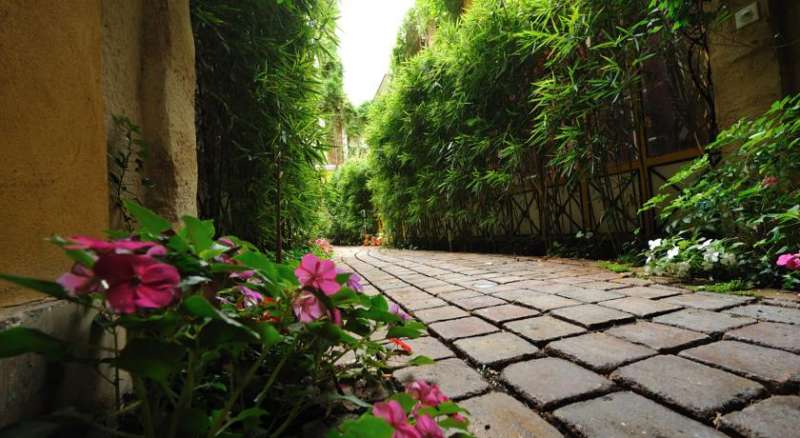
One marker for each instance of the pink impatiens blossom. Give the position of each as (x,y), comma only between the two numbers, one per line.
(769,181)
(428,428)
(394,308)
(307,307)
(124,246)
(428,394)
(393,413)
(79,280)
(251,297)
(789,261)
(319,274)
(137,282)
(353,281)
(243,275)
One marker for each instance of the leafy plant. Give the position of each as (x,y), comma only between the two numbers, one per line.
(747,206)
(615,267)
(221,341)
(349,203)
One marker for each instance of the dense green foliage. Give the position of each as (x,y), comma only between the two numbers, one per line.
(733,220)
(349,203)
(267,73)
(512,96)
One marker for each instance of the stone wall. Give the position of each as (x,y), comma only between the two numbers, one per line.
(66,69)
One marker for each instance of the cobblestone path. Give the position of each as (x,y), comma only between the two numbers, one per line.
(548,348)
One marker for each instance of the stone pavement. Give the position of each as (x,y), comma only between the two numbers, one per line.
(538,347)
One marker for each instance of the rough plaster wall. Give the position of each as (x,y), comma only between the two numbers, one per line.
(53,150)
(52,138)
(122,74)
(167,99)
(744,65)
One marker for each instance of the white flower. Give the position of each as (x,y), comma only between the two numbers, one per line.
(711,256)
(682,269)
(729,259)
(672,253)
(705,244)
(654,244)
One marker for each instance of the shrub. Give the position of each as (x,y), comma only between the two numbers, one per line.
(220,341)
(349,203)
(734,219)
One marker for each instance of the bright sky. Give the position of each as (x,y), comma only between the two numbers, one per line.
(367,33)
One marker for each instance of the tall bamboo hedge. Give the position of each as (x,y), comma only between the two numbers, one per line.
(267,73)
(511,95)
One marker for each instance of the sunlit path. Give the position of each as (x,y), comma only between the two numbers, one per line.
(538,347)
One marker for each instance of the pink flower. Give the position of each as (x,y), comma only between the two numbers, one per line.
(393,413)
(428,428)
(353,281)
(394,308)
(319,274)
(80,280)
(137,281)
(251,297)
(429,395)
(244,275)
(769,181)
(307,307)
(789,261)
(124,246)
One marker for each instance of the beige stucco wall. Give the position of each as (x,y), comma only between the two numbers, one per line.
(65,69)
(744,64)
(52,137)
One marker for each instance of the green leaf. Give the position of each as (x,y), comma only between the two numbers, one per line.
(405,400)
(197,305)
(21,340)
(48,287)
(411,329)
(217,333)
(149,222)
(151,358)
(262,264)
(421,360)
(366,426)
(268,333)
(193,422)
(199,233)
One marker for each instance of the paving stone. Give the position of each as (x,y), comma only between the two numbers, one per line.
(777,416)
(632,281)
(763,312)
(657,336)
(459,294)
(436,290)
(478,302)
(590,295)
(699,389)
(454,377)
(544,303)
(506,312)
(496,348)
(599,351)
(462,328)
(517,294)
(553,288)
(591,315)
(769,334)
(498,415)
(775,367)
(602,285)
(626,414)
(708,301)
(651,292)
(703,320)
(483,284)
(543,328)
(424,304)
(424,346)
(440,314)
(551,381)
(641,307)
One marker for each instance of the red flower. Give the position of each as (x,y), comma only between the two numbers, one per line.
(769,181)
(79,280)
(407,348)
(137,282)
(124,246)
